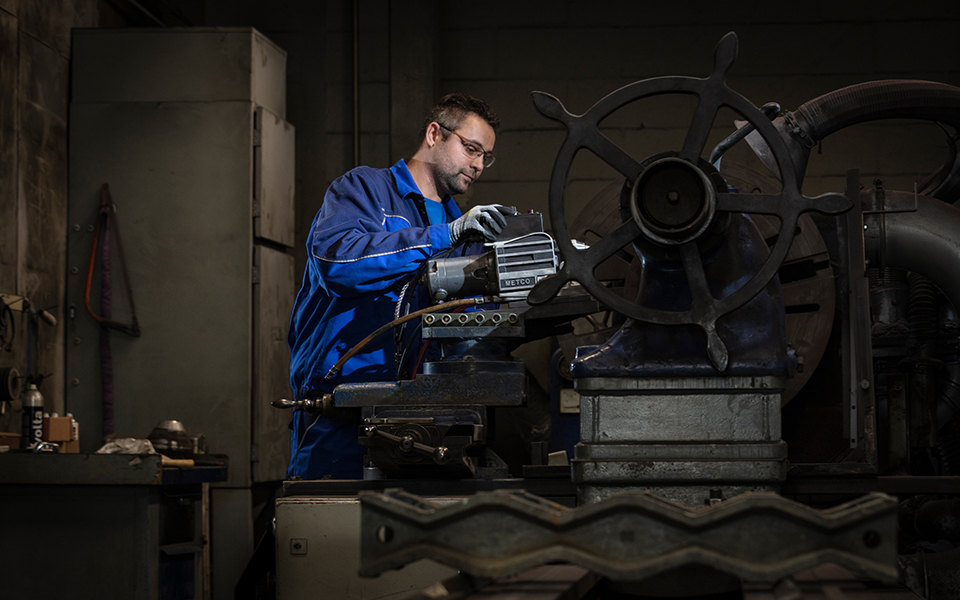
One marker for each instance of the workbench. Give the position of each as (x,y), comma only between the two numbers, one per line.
(104,526)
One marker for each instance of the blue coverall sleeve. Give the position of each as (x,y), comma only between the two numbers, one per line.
(359,247)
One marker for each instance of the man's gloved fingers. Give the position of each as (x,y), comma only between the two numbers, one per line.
(487,234)
(492,220)
(495,216)
(476,231)
(487,221)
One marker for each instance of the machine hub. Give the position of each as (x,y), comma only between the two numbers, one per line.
(673,201)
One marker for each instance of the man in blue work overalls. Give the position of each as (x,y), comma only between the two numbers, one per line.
(375,229)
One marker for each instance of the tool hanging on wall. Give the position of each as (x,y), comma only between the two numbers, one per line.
(12,383)
(107,221)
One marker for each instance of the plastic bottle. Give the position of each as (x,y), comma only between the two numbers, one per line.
(32,417)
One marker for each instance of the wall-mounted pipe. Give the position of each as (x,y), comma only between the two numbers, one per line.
(918,234)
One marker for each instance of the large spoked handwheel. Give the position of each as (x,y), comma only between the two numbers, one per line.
(673,201)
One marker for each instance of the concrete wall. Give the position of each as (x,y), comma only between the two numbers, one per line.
(34,87)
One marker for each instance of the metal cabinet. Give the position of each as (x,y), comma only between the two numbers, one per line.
(318,554)
(187,128)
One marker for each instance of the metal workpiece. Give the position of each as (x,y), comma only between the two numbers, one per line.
(760,537)
(492,389)
(682,417)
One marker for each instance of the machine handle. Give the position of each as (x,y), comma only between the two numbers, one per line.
(440,454)
(322,405)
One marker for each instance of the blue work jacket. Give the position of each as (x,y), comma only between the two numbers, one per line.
(370,236)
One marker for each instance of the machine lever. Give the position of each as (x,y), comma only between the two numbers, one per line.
(440,454)
(321,405)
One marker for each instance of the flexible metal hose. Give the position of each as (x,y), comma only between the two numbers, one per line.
(922,240)
(885,99)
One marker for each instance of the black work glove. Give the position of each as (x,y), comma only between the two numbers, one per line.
(480,222)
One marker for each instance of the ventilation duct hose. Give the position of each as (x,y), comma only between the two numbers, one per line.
(921,240)
(886,99)
(875,100)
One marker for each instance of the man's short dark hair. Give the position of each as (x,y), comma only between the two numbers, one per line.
(453,109)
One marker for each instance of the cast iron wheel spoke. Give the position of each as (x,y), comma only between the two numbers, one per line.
(699,131)
(703,304)
(548,287)
(716,349)
(583,132)
(611,154)
(761,204)
(781,204)
(827,204)
(610,243)
(580,264)
(696,278)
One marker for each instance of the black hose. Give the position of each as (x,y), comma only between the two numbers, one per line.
(885,99)
(871,101)
(922,312)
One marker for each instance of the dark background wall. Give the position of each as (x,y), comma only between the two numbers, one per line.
(581,50)
(410,52)
(34,88)
(361,74)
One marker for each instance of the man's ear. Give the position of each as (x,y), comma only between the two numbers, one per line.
(434,134)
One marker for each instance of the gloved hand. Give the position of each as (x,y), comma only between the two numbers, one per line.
(480,221)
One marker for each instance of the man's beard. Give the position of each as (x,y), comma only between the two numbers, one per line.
(452,182)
